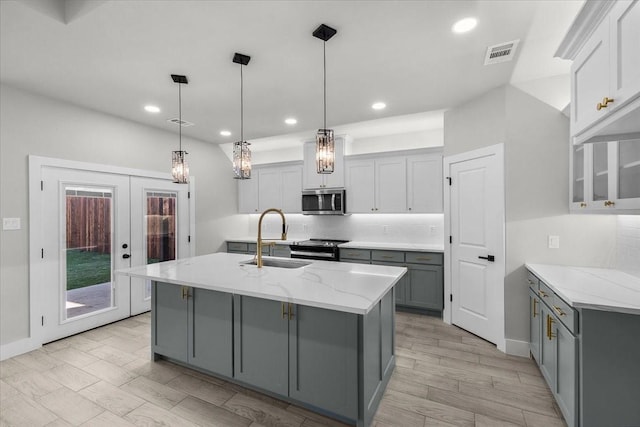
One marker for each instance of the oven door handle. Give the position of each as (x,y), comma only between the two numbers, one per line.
(333,202)
(318,255)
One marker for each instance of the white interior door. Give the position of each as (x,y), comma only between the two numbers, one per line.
(84,228)
(159,230)
(477,261)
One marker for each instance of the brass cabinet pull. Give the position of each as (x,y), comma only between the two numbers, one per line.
(609,203)
(423,258)
(559,311)
(583,205)
(543,293)
(605,101)
(290,311)
(284,312)
(529,281)
(550,333)
(387,256)
(185,292)
(535,302)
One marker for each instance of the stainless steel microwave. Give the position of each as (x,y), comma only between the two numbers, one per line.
(326,201)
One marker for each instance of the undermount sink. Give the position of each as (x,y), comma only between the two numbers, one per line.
(279,263)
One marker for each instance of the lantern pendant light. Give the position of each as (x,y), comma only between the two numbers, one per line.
(325,145)
(179,166)
(241,151)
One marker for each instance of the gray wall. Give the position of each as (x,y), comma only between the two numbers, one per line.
(32,124)
(536,139)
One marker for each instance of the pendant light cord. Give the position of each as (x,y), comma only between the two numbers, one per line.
(180,113)
(324,53)
(241,106)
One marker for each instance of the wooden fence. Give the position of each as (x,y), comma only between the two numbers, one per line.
(89,225)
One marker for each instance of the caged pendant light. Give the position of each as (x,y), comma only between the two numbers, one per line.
(179,166)
(325,145)
(241,151)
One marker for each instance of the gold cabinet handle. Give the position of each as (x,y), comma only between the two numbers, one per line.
(583,205)
(423,258)
(609,203)
(284,312)
(290,311)
(387,256)
(529,281)
(543,293)
(185,292)
(604,103)
(550,333)
(559,311)
(535,303)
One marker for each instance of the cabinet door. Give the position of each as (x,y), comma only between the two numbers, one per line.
(211,331)
(600,176)
(578,182)
(311,178)
(291,182)
(566,372)
(261,343)
(625,52)
(425,287)
(401,286)
(627,177)
(323,359)
(547,361)
(359,184)
(391,185)
(281,251)
(248,194)
(590,80)
(169,321)
(535,324)
(336,179)
(269,189)
(424,184)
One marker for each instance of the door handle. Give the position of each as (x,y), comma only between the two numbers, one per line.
(489,258)
(125,256)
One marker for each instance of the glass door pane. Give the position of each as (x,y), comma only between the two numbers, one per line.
(89,241)
(600,171)
(578,174)
(160,232)
(629,169)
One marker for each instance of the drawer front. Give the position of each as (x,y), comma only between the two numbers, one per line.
(359,254)
(532,281)
(424,258)
(545,293)
(387,256)
(251,248)
(567,315)
(281,251)
(237,247)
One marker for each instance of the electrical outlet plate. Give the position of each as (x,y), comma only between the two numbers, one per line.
(11,224)
(554,242)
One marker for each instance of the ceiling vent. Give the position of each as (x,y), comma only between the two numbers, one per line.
(502,52)
(177,121)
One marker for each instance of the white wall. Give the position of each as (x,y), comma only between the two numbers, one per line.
(536,138)
(31,124)
(628,250)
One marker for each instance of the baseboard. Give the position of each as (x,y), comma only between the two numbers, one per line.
(17,348)
(517,348)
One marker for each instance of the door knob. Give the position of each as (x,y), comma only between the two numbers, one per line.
(489,258)
(125,256)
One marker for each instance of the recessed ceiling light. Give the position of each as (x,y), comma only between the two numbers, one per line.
(225,133)
(151,109)
(464,25)
(379,106)
(290,121)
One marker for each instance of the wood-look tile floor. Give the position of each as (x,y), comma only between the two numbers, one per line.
(444,376)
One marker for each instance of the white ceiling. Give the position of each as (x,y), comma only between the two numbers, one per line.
(116,56)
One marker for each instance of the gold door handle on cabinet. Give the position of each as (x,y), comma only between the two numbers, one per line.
(423,258)
(535,303)
(550,333)
(290,311)
(529,282)
(284,312)
(559,311)
(609,203)
(543,293)
(583,205)
(185,292)
(387,256)
(604,103)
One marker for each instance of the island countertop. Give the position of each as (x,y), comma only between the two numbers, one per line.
(352,288)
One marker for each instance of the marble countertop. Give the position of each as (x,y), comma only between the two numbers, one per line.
(592,288)
(418,247)
(352,288)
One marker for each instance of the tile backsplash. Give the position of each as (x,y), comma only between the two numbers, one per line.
(628,239)
(400,228)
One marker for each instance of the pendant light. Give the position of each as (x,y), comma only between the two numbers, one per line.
(325,145)
(179,166)
(241,151)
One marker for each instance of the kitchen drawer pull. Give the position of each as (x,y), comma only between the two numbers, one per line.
(423,258)
(559,311)
(543,293)
(290,311)
(529,281)
(387,256)
(284,312)
(535,301)
(353,254)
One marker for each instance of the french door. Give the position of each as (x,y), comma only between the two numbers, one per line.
(94,223)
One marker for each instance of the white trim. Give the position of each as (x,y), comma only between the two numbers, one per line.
(498,151)
(517,348)
(585,23)
(17,348)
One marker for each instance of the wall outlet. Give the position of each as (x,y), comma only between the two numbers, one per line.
(385,229)
(432,230)
(554,242)
(11,224)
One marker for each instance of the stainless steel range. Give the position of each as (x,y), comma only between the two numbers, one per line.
(320,249)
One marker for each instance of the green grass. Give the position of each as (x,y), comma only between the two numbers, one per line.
(87,268)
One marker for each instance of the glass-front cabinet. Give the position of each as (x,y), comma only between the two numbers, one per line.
(605,177)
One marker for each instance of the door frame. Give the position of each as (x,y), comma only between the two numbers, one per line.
(496,150)
(36,163)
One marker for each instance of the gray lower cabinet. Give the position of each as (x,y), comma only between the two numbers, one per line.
(193,326)
(425,287)
(535,325)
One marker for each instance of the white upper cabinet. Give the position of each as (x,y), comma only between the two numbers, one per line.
(291,182)
(424,183)
(248,195)
(604,44)
(271,186)
(311,178)
(269,189)
(391,185)
(359,186)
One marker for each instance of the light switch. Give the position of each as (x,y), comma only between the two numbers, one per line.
(554,242)
(11,223)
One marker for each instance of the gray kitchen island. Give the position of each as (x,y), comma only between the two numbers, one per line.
(320,335)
